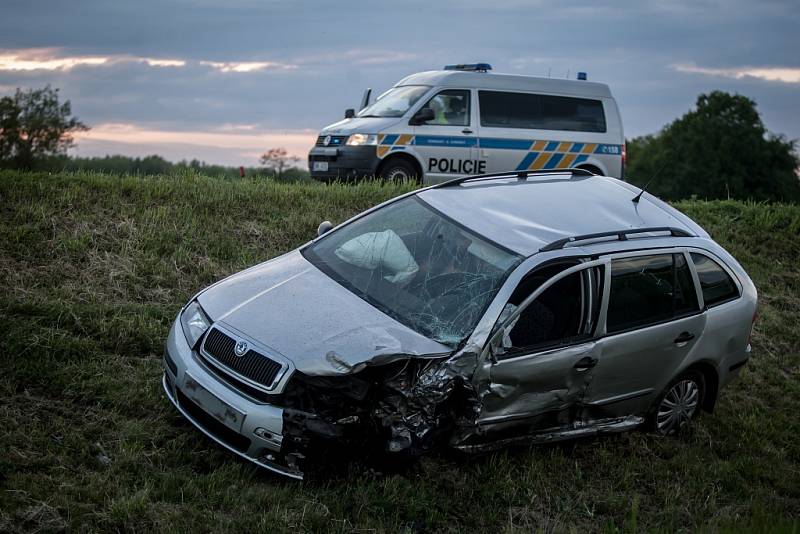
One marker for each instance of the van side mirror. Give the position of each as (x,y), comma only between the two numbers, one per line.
(324,227)
(349,113)
(421,117)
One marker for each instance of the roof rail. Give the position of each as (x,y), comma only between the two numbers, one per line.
(621,235)
(520,175)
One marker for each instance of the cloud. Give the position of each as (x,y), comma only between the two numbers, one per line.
(43,59)
(772,74)
(231,144)
(153,62)
(50,59)
(247,66)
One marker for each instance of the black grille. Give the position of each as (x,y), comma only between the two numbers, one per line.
(220,431)
(336,140)
(241,387)
(252,365)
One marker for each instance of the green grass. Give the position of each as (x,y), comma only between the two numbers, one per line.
(93,270)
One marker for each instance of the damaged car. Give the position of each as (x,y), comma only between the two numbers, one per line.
(524,307)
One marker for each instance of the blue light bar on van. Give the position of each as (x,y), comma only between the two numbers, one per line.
(582,76)
(474,67)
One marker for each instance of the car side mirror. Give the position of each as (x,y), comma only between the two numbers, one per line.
(324,227)
(349,113)
(421,117)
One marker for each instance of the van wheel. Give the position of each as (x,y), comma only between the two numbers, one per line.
(678,404)
(399,170)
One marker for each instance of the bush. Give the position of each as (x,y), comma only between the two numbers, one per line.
(719,150)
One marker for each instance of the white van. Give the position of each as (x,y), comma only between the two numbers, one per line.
(438,125)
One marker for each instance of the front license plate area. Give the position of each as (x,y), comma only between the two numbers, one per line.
(320,166)
(219,410)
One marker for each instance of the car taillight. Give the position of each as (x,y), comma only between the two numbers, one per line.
(624,153)
(752,325)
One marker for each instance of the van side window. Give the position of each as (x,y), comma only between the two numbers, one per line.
(450,108)
(647,290)
(544,112)
(716,284)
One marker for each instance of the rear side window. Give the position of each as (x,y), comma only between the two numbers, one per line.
(542,112)
(647,290)
(717,285)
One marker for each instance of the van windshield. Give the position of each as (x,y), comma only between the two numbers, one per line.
(395,102)
(417,266)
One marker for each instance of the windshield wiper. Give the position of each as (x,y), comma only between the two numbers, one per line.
(369,116)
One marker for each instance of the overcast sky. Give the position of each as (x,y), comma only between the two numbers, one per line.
(223,81)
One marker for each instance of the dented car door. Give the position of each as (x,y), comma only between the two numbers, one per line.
(540,361)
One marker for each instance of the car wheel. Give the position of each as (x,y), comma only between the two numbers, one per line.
(679,404)
(399,170)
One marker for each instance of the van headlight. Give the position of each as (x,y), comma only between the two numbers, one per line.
(194,322)
(362,139)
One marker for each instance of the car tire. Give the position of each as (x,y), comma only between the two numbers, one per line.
(399,170)
(679,403)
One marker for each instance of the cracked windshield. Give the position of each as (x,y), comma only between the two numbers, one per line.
(416,266)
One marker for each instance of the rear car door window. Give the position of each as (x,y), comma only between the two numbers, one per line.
(717,285)
(647,290)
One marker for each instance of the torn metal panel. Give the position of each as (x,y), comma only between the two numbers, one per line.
(424,406)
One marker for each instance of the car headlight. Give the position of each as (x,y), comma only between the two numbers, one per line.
(195,322)
(362,139)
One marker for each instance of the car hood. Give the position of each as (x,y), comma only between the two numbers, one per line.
(367,125)
(293,308)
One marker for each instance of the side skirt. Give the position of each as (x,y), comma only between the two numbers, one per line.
(579,430)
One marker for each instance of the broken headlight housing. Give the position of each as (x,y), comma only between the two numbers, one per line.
(194,322)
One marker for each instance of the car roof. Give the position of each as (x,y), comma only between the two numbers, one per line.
(490,80)
(526,214)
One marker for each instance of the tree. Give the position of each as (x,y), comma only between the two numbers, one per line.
(35,126)
(278,160)
(721,149)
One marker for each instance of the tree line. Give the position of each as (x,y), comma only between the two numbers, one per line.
(154,164)
(719,149)
(36,130)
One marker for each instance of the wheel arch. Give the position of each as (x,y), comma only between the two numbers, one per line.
(711,376)
(593,168)
(402,156)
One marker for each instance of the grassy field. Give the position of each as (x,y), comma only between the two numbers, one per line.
(93,270)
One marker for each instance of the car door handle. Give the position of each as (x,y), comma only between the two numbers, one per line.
(466,131)
(684,337)
(585,363)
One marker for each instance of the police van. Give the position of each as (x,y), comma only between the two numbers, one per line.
(437,125)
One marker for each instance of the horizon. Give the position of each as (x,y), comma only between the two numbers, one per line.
(190,80)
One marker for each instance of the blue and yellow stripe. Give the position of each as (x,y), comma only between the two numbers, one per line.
(541,154)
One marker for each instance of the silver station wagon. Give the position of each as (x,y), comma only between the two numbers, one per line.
(520,307)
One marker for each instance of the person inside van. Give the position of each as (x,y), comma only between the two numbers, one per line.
(437,105)
(449,109)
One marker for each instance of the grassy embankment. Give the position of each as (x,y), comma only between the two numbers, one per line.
(93,270)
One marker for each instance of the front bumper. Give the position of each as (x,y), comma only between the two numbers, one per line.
(344,162)
(252,430)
